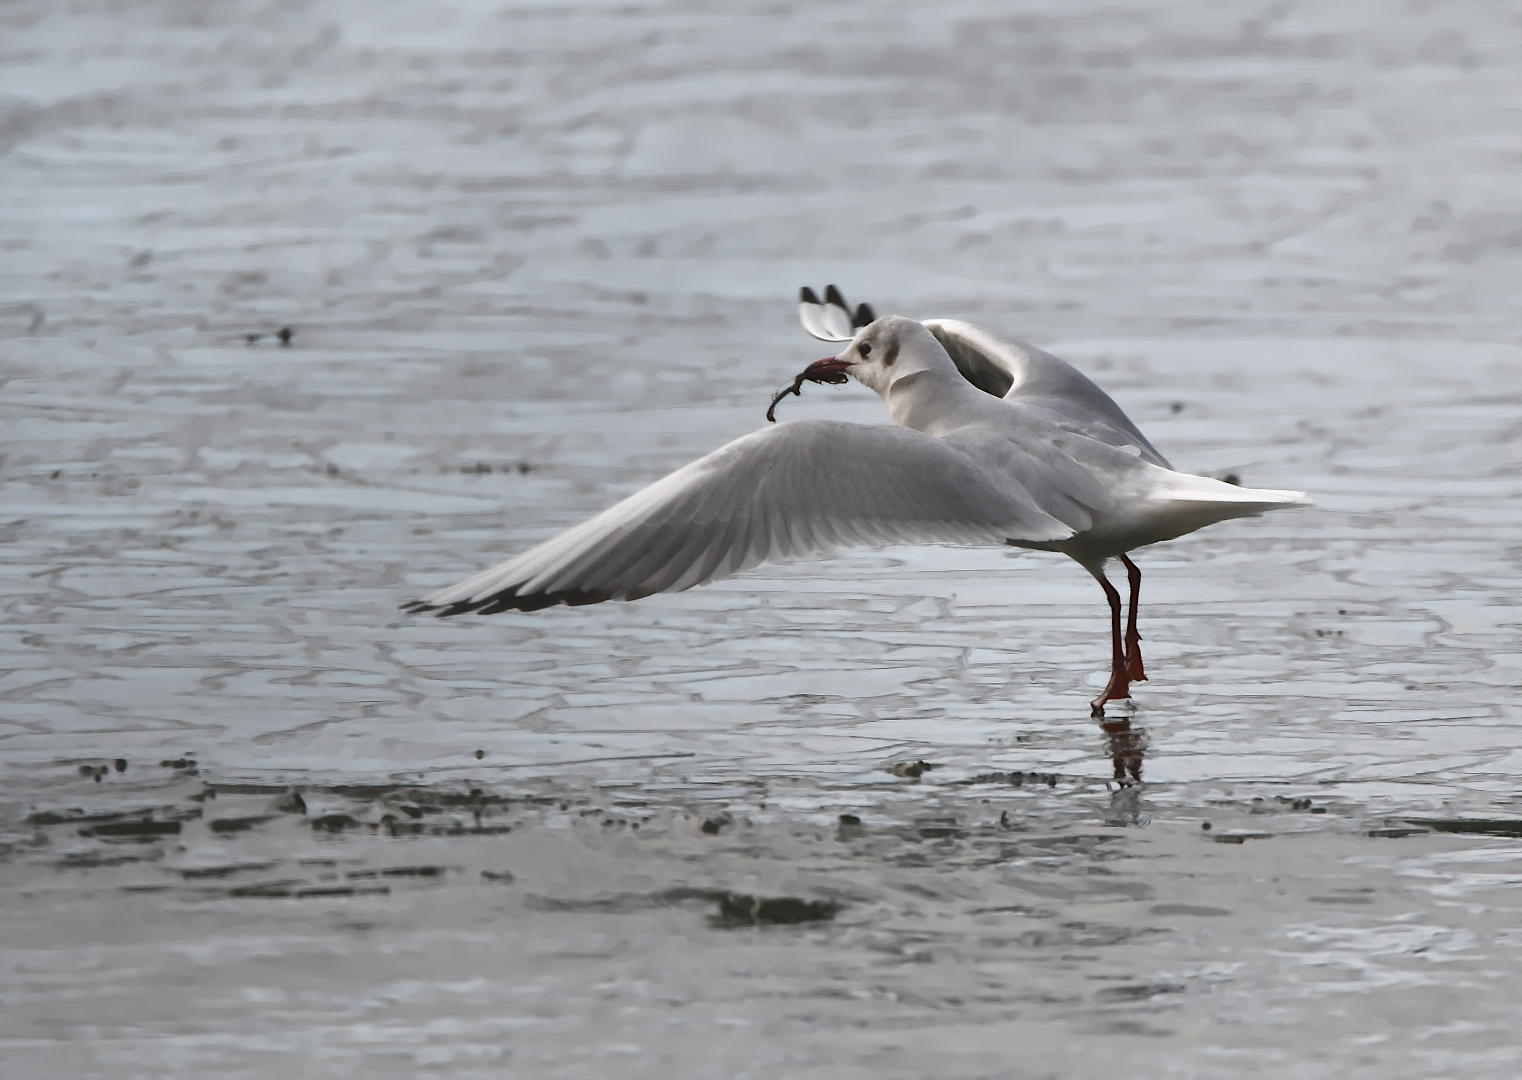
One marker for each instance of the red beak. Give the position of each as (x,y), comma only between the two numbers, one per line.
(831,369)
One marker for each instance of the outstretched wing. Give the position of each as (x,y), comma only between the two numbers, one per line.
(782,492)
(832,320)
(1017,371)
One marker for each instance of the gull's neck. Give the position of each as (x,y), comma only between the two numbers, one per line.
(932,400)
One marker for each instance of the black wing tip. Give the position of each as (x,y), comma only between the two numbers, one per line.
(832,296)
(864,316)
(807,295)
(507,601)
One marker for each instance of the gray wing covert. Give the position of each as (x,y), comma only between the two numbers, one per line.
(782,492)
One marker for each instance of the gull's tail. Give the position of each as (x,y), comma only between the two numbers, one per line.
(1182,503)
(1182,487)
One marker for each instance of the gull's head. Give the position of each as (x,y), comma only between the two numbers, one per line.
(890,350)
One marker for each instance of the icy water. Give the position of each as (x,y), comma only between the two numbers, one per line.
(844,818)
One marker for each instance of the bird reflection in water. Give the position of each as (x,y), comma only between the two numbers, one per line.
(1127,746)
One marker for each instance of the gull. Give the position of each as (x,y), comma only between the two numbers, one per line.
(992,442)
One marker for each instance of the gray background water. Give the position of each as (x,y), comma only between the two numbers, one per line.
(537,255)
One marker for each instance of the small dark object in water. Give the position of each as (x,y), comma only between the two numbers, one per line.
(252,338)
(334,823)
(1015,779)
(738,909)
(196,873)
(137,830)
(397,871)
(1471,826)
(121,764)
(267,890)
(480,754)
(715,825)
(913,770)
(240,824)
(829,370)
(285,335)
(178,763)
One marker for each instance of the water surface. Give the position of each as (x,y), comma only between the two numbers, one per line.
(535,256)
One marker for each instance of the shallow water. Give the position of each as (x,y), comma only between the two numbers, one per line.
(535,256)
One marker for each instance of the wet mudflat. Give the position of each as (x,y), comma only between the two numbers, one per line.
(258,823)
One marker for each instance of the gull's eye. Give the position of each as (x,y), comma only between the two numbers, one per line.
(865,348)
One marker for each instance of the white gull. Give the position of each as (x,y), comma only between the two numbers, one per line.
(994,442)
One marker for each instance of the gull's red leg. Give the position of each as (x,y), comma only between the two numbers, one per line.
(1119,685)
(1134,667)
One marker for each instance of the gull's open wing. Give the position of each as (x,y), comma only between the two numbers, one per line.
(782,492)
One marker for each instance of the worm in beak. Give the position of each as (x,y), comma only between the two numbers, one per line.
(830,370)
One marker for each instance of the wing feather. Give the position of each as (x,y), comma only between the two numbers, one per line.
(822,320)
(794,489)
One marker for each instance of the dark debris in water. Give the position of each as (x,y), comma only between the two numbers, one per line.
(1470,826)
(912,770)
(334,823)
(1015,779)
(713,826)
(742,909)
(398,872)
(93,860)
(849,827)
(199,873)
(240,824)
(132,830)
(295,889)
